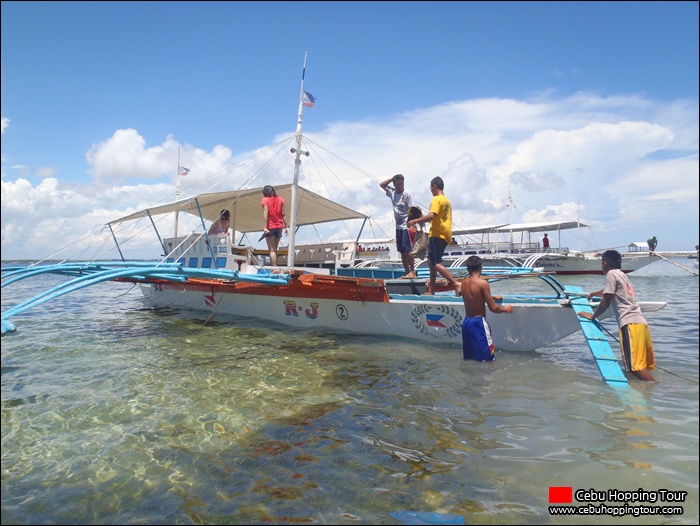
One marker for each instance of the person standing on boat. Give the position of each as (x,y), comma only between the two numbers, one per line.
(635,340)
(476,333)
(652,243)
(402,201)
(275,222)
(440,217)
(545,243)
(221,225)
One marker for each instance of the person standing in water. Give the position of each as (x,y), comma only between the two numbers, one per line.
(635,340)
(476,294)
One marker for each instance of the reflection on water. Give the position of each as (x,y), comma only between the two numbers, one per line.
(116,413)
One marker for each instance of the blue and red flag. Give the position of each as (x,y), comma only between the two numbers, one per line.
(433,320)
(309,100)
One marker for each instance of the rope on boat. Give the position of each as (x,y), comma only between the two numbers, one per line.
(674,263)
(657,366)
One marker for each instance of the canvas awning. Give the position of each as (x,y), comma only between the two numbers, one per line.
(540,227)
(488,229)
(246,210)
(504,228)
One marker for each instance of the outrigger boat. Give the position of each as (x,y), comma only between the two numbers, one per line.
(360,301)
(211,273)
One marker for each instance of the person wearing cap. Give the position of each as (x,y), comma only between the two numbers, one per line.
(221,225)
(275,222)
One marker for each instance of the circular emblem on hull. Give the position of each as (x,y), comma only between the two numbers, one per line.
(439,321)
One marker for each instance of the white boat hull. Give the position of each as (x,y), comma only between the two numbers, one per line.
(575,264)
(562,264)
(438,321)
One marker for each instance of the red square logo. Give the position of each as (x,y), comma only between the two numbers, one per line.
(560,495)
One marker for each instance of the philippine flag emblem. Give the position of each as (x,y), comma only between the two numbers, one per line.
(434,320)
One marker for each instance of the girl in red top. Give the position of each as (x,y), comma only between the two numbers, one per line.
(273,214)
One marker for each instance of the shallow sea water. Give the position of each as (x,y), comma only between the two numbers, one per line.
(115,413)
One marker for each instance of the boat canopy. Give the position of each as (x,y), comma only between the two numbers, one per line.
(541,227)
(246,211)
(488,229)
(520,227)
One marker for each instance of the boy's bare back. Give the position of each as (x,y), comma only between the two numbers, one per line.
(476,294)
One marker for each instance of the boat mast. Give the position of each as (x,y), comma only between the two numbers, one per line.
(177,189)
(510,221)
(297,163)
(578,226)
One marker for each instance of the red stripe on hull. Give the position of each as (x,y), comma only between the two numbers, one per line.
(308,286)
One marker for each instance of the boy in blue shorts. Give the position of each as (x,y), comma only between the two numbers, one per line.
(476,293)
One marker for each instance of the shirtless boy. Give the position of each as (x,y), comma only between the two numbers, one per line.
(476,293)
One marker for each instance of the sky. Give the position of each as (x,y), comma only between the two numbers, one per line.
(565,110)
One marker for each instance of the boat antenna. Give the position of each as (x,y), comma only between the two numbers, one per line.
(297,163)
(510,220)
(177,190)
(578,226)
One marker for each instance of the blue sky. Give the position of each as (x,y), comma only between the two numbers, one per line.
(585,109)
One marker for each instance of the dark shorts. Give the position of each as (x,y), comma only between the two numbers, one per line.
(436,248)
(403,240)
(275,232)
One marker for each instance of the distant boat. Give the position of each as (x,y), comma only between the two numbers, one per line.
(519,245)
(499,244)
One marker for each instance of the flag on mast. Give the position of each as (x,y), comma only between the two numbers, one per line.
(184,170)
(309,100)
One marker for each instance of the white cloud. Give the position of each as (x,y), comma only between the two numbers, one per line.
(629,164)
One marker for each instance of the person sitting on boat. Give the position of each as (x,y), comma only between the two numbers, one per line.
(275,222)
(476,294)
(652,243)
(545,243)
(402,201)
(221,225)
(636,346)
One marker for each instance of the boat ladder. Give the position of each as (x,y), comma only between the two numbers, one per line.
(596,340)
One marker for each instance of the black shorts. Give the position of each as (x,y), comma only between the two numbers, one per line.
(436,249)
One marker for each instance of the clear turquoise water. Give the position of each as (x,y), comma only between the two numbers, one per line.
(113,413)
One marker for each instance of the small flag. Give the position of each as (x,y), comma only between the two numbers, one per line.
(433,320)
(309,100)
(184,171)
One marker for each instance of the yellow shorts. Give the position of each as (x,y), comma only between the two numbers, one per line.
(636,346)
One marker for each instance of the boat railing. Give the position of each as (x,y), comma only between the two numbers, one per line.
(216,252)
